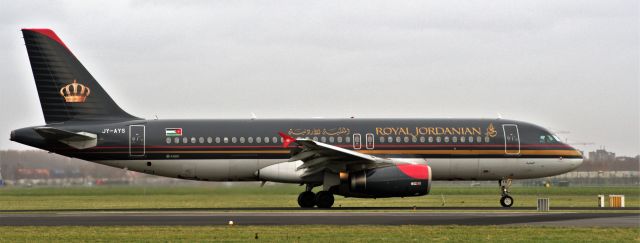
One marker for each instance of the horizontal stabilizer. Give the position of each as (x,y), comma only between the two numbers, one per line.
(78,140)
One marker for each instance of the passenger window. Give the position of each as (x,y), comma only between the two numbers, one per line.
(414,139)
(234,140)
(470,139)
(201,140)
(274,139)
(315,139)
(430,139)
(226,140)
(397,139)
(454,139)
(217,139)
(323,139)
(390,139)
(168,140)
(185,140)
(438,139)
(486,139)
(331,139)
(479,139)
(176,140)
(462,139)
(422,139)
(446,139)
(250,139)
(241,139)
(406,139)
(339,139)
(258,140)
(347,139)
(266,139)
(209,140)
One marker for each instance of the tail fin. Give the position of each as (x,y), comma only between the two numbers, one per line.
(66,89)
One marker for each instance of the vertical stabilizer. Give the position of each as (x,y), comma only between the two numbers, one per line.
(67,91)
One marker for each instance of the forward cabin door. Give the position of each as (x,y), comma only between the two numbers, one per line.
(136,140)
(511,139)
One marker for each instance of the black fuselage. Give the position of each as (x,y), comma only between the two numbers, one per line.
(258,139)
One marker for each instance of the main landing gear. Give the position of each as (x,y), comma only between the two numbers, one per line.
(506,200)
(308,199)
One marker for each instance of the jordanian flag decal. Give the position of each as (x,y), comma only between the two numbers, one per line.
(173,132)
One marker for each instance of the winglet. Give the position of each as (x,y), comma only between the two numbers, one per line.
(286,139)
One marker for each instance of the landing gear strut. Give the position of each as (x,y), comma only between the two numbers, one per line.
(308,199)
(506,200)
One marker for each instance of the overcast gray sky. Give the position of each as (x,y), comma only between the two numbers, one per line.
(566,65)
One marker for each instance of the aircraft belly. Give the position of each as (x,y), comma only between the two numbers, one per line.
(440,168)
(524,168)
(206,170)
(463,168)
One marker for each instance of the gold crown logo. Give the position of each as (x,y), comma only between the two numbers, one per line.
(491,131)
(75,92)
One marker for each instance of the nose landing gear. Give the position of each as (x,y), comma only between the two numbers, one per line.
(506,200)
(308,199)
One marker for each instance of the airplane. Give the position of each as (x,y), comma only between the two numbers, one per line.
(351,157)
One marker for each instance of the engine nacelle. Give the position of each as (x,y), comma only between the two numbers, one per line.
(403,180)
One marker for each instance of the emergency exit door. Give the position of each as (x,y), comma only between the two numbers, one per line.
(370,140)
(357,141)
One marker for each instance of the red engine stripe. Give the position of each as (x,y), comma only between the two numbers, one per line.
(420,172)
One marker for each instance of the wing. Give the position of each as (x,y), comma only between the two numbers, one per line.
(317,157)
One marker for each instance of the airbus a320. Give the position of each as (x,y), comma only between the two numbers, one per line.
(363,158)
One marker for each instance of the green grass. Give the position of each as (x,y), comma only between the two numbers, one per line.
(320,233)
(124,197)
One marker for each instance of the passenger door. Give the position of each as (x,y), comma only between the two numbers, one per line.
(511,139)
(136,140)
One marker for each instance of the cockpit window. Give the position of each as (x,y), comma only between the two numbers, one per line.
(549,139)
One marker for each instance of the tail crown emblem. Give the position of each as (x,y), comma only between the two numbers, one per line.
(75,92)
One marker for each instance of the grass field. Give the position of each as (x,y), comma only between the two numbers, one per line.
(320,234)
(218,196)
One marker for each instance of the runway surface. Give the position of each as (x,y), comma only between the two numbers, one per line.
(194,218)
(283,209)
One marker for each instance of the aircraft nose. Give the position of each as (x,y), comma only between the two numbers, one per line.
(579,160)
(13,135)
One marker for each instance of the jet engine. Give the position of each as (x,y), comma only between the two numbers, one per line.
(402,180)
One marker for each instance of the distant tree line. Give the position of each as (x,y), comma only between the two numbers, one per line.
(29,164)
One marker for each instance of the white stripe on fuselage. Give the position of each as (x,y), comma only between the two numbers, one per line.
(443,168)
